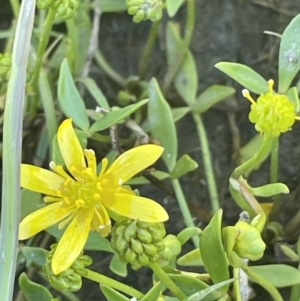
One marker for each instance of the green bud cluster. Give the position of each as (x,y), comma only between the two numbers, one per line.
(138,243)
(145,10)
(70,279)
(64,9)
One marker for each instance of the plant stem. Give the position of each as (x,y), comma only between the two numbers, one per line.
(188,34)
(15,7)
(145,59)
(262,282)
(101,279)
(44,39)
(184,209)
(211,182)
(166,280)
(108,70)
(274,176)
(236,284)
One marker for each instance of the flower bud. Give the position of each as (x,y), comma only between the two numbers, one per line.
(172,247)
(145,10)
(249,243)
(135,244)
(70,279)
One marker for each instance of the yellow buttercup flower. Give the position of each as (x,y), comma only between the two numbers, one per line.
(82,197)
(272,113)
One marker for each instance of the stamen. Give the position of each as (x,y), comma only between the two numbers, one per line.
(91,159)
(51,199)
(59,170)
(120,182)
(271,85)
(80,203)
(104,163)
(247,95)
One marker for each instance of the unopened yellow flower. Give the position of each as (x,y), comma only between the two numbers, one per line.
(80,197)
(272,113)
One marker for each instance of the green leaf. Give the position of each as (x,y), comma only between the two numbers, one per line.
(186,79)
(98,243)
(34,291)
(95,91)
(200,295)
(191,285)
(109,6)
(188,233)
(114,117)
(179,113)
(289,53)
(210,96)
(289,252)
(174,42)
(30,202)
(292,95)
(270,189)
(153,293)
(111,294)
(173,6)
(161,124)
(117,266)
(279,275)
(69,98)
(245,76)
(34,255)
(251,147)
(184,165)
(160,175)
(191,259)
(212,250)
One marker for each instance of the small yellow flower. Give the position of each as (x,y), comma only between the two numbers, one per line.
(81,196)
(272,113)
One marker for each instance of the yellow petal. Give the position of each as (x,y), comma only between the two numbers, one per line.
(71,243)
(133,161)
(41,219)
(136,207)
(40,180)
(69,146)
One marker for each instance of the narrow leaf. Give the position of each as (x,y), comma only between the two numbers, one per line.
(111,294)
(186,79)
(245,76)
(191,259)
(184,165)
(292,95)
(114,117)
(289,55)
(270,189)
(212,250)
(69,98)
(279,275)
(117,266)
(33,291)
(153,293)
(109,6)
(95,91)
(210,97)
(179,113)
(173,6)
(161,123)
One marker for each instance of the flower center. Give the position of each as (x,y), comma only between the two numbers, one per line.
(82,192)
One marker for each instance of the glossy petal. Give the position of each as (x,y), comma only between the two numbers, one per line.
(71,243)
(136,207)
(133,161)
(40,180)
(41,219)
(69,145)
